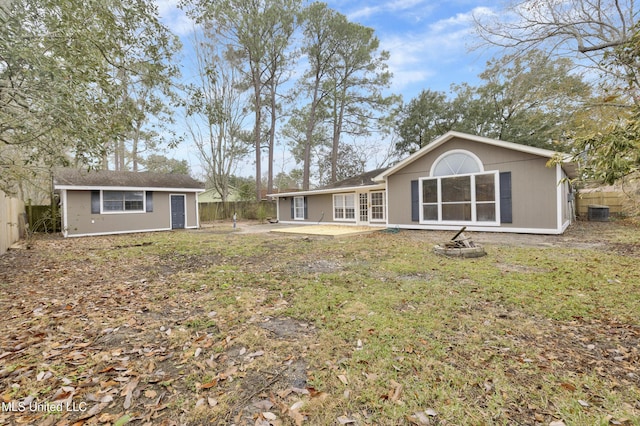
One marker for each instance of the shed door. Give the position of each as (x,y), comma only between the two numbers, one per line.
(177,211)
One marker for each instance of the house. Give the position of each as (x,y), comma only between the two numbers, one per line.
(212,195)
(109,202)
(456,180)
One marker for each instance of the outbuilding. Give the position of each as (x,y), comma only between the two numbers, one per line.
(113,202)
(456,180)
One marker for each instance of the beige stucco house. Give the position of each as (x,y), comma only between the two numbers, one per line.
(109,202)
(456,180)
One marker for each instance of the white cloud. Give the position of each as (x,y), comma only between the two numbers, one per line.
(174,17)
(396,7)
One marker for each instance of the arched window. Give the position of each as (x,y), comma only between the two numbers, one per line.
(456,163)
(459,190)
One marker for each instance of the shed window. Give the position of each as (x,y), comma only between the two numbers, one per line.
(122,201)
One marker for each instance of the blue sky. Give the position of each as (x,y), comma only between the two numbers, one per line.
(429,41)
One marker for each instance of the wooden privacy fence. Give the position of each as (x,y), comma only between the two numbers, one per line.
(613,200)
(252,210)
(12,221)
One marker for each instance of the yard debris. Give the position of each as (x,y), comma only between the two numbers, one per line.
(460,246)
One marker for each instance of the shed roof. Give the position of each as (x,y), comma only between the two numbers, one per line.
(96,179)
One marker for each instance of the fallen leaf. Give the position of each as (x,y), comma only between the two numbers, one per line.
(583,403)
(269,415)
(150,393)
(94,410)
(557,423)
(568,386)
(344,420)
(127,392)
(343,379)
(396,390)
(209,385)
(420,419)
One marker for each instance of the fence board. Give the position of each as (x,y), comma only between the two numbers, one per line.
(12,221)
(613,200)
(253,210)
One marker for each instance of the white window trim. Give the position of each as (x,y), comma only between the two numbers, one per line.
(295,208)
(344,206)
(456,151)
(144,202)
(384,206)
(474,219)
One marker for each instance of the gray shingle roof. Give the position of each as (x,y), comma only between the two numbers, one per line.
(109,178)
(360,180)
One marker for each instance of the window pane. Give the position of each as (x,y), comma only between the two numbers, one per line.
(133,200)
(456,211)
(430,191)
(349,200)
(430,212)
(457,163)
(486,212)
(298,204)
(113,201)
(456,189)
(485,188)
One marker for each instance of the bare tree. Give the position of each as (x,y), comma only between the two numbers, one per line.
(216,110)
(588,28)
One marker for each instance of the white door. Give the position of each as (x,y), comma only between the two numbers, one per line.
(363,208)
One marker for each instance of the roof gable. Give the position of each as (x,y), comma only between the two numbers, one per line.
(480,139)
(69,178)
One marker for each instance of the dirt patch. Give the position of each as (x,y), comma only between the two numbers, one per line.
(288,328)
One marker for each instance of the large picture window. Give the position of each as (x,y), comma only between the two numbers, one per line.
(468,198)
(122,201)
(344,207)
(459,190)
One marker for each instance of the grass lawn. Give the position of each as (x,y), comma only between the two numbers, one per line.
(222,327)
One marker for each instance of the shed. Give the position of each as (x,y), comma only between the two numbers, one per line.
(114,202)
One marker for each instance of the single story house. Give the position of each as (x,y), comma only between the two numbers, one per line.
(212,195)
(111,202)
(456,180)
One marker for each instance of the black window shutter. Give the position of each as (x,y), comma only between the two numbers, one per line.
(505,198)
(95,202)
(292,208)
(149,201)
(306,211)
(415,201)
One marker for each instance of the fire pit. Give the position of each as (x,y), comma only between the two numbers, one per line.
(460,246)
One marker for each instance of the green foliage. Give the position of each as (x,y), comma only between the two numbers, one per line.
(527,99)
(612,151)
(341,88)
(160,164)
(77,77)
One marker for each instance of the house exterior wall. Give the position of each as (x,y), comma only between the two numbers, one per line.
(80,221)
(534,186)
(319,209)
